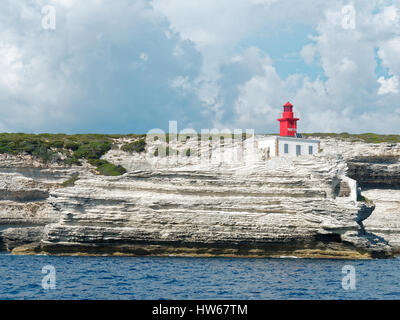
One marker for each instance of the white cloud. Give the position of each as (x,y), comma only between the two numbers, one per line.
(11,67)
(96,72)
(93,73)
(389,52)
(214,27)
(181,82)
(210,23)
(351,88)
(390,85)
(308,53)
(386,21)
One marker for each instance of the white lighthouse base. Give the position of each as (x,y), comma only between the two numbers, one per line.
(277,146)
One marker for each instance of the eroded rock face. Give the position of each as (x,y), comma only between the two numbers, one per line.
(376,167)
(302,206)
(371,165)
(260,208)
(25,185)
(23,201)
(385,221)
(16,237)
(383,171)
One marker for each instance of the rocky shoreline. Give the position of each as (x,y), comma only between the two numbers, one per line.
(307,207)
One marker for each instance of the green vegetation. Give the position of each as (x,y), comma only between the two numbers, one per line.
(362,198)
(72,160)
(38,146)
(44,146)
(92,149)
(49,147)
(71,181)
(135,146)
(106,168)
(363,137)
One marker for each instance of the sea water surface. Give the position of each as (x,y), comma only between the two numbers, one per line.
(196,278)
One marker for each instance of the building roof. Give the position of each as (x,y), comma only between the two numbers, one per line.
(294,139)
(288,104)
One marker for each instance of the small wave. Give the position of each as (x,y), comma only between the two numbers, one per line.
(288,257)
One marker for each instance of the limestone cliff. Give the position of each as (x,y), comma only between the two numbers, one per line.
(305,206)
(376,167)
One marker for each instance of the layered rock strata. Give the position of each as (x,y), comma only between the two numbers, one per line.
(305,207)
(376,167)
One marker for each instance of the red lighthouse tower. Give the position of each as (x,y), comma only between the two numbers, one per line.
(288,122)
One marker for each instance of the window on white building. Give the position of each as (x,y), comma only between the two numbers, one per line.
(286,148)
(298,150)
(310,150)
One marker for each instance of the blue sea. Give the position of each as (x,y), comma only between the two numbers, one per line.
(21,277)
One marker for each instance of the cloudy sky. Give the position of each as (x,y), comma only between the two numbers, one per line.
(128,66)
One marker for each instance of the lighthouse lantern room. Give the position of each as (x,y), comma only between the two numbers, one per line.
(288,122)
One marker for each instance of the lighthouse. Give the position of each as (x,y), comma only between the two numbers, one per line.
(288,123)
(289,143)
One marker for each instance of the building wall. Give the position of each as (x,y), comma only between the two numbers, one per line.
(304,145)
(271,143)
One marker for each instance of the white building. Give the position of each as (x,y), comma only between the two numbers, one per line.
(277,146)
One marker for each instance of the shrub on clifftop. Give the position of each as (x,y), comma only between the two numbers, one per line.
(106,168)
(48,147)
(135,146)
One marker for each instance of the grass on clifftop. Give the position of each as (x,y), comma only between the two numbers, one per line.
(47,147)
(363,137)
